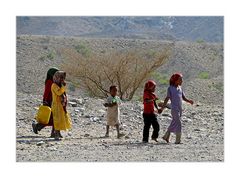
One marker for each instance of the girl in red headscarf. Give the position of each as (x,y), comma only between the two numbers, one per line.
(149,101)
(176,95)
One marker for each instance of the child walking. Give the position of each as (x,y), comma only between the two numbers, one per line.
(149,101)
(47,101)
(113,111)
(61,118)
(176,95)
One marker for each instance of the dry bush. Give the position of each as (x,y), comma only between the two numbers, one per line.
(126,69)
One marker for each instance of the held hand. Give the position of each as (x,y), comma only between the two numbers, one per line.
(191,102)
(64,83)
(160,111)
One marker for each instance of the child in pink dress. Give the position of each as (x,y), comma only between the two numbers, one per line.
(176,95)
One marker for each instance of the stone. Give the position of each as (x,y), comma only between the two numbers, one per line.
(52,149)
(95,119)
(73,104)
(101,111)
(127,137)
(82,109)
(76,110)
(79,101)
(166,115)
(40,143)
(86,135)
(88,116)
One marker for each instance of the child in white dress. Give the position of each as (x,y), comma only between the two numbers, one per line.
(113,112)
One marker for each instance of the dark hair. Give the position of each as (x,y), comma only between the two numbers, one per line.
(50,74)
(174,78)
(112,87)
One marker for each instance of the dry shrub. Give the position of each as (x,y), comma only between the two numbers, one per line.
(126,69)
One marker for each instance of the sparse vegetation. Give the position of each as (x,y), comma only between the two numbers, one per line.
(126,69)
(83,49)
(200,41)
(151,53)
(203,75)
(161,78)
(42,58)
(51,55)
(219,87)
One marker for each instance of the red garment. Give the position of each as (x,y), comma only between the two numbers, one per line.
(149,85)
(47,96)
(174,78)
(148,102)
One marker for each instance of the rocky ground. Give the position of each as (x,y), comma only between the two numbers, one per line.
(203,131)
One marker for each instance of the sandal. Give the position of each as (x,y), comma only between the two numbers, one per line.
(165,139)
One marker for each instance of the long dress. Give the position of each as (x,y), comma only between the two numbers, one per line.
(61,119)
(113,113)
(175,94)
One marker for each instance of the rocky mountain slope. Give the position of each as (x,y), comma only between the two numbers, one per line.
(200,63)
(186,28)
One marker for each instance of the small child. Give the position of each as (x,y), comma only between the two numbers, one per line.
(176,95)
(149,101)
(113,112)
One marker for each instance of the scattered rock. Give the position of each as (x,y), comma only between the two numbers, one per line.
(166,115)
(102,111)
(95,119)
(52,149)
(86,135)
(77,110)
(40,143)
(82,109)
(73,104)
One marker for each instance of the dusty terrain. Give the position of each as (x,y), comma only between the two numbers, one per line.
(203,123)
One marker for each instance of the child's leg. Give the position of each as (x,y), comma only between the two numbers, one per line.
(57,134)
(118,132)
(107,131)
(52,132)
(178,138)
(166,136)
(119,135)
(147,125)
(156,128)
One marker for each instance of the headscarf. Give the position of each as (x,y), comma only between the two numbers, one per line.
(174,78)
(58,76)
(50,73)
(148,94)
(149,85)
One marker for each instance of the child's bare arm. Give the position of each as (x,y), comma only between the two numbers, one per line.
(164,104)
(109,104)
(187,100)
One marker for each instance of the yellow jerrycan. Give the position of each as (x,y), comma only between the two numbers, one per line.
(43,114)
